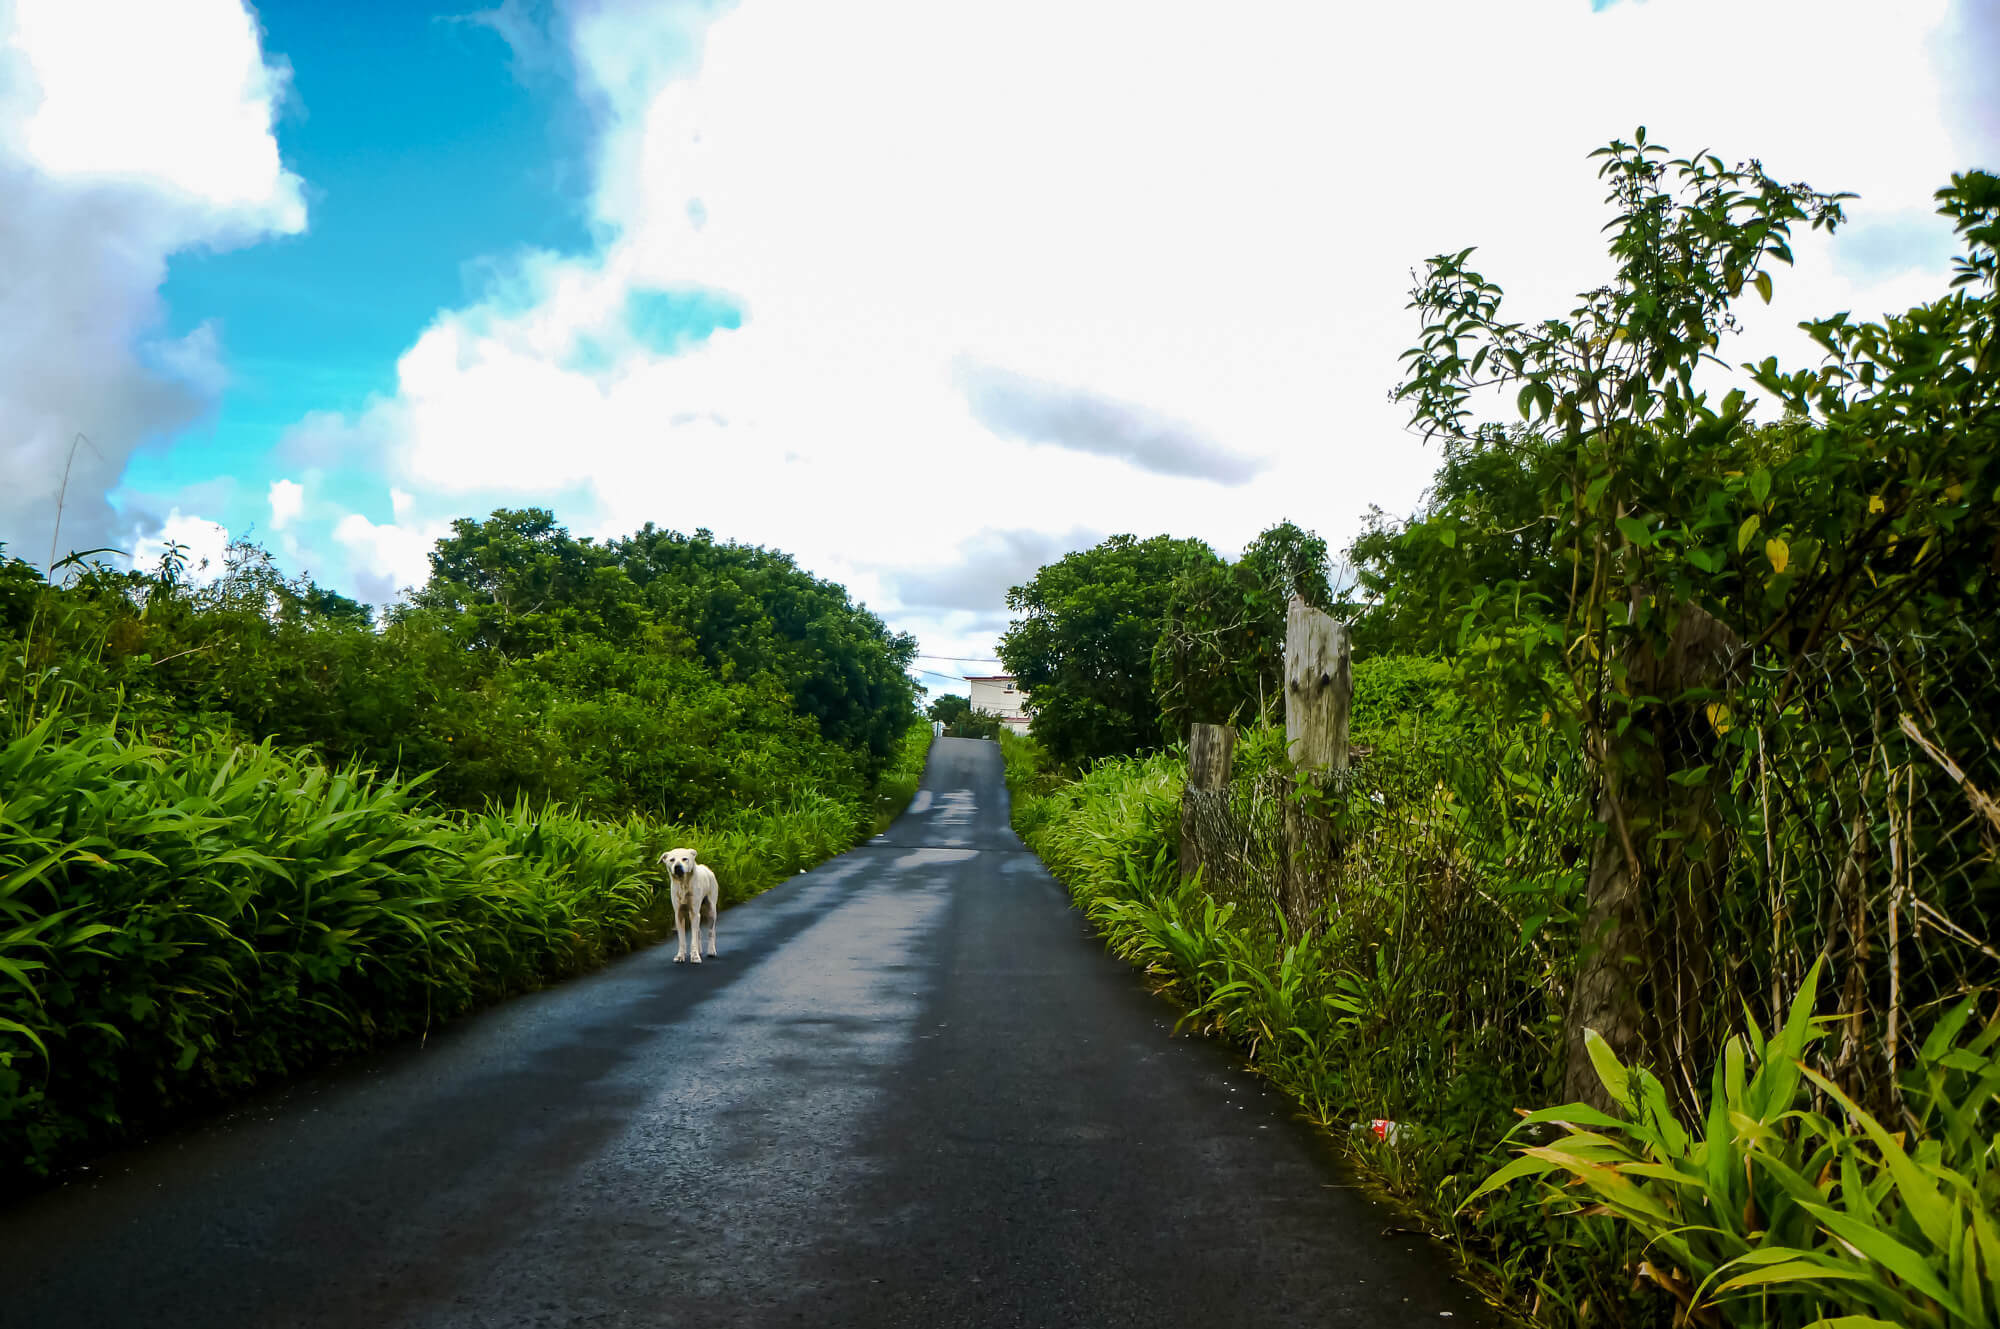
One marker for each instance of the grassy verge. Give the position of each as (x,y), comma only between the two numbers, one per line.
(898,783)
(179,924)
(1322,1031)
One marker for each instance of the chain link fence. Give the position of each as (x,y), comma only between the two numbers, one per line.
(1836,809)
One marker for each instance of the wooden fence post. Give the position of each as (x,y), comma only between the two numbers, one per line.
(1319,685)
(1205,804)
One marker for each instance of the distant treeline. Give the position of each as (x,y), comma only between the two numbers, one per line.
(674,676)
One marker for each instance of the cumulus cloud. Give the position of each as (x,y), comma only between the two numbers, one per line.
(1014,406)
(385,560)
(288,499)
(120,144)
(197,541)
(985,568)
(1191,255)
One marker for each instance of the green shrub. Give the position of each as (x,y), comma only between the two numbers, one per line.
(1788,1205)
(899,780)
(1355,1022)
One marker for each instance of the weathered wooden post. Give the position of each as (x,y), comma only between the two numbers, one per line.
(1319,684)
(1205,806)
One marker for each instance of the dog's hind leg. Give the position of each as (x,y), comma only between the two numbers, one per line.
(711,928)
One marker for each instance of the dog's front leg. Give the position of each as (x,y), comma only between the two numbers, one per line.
(681,931)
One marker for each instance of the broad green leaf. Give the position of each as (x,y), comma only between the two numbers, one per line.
(1609,1069)
(17,1027)
(1522,1166)
(1877,1245)
(1794,1271)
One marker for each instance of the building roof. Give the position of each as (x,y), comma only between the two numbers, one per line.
(989,678)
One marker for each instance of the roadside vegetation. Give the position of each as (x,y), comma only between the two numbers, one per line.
(245,829)
(955,713)
(1662,923)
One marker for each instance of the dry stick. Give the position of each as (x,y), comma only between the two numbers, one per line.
(1942,920)
(1899,867)
(1980,802)
(62,495)
(206,646)
(1778,918)
(1852,873)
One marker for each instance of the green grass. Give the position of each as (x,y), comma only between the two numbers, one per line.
(180,923)
(1786,1205)
(897,784)
(1346,1042)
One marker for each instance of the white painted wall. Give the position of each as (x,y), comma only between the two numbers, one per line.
(999,696)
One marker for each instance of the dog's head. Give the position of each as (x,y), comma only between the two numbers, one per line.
(680,862)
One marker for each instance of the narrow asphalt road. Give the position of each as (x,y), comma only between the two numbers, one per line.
(913,1090)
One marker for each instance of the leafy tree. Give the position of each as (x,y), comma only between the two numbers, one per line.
(748,609)
(1083,643)
(960,720)
(1684,539)
(1485,523)
(532,666)
(521,583)
(1219,658)
(948,708)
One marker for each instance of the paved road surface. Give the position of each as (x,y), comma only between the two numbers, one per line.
(912,1091)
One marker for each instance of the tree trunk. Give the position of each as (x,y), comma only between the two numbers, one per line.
(1645,967)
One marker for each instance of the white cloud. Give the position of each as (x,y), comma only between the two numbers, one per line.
(288,499)
(127,132)
(201,542)
(384,561)
(1210,222)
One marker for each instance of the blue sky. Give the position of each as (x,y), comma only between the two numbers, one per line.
(425,158)
(923,294)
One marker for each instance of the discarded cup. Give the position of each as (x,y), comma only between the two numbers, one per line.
(1380,1127)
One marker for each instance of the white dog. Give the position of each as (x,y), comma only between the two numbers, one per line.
(694,886)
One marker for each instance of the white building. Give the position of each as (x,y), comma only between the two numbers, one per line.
(996,694)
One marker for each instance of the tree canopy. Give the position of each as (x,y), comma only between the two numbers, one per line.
(666,674)
(1082,644)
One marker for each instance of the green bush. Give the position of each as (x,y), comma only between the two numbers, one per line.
(1364,1019)
(1788,1205)
(899,780)
(185,913)
(178,923)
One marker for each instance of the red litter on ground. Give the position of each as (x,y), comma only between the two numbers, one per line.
(1381,1128)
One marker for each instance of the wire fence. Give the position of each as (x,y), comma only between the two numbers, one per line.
(1834,809)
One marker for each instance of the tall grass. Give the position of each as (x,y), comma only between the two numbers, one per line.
(178,923)
(897,784)
(1342,1030)
(1788,1206)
